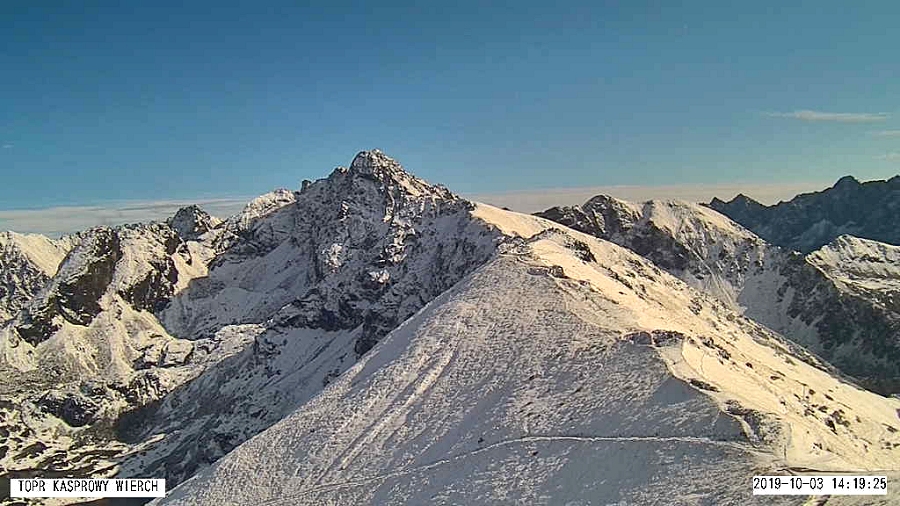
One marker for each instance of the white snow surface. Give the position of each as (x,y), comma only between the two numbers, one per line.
(27,261)
(43,252)
(849,314)
(868,268)
(522,384)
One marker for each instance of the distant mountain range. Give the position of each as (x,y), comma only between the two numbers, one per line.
(372,338)
(809,221)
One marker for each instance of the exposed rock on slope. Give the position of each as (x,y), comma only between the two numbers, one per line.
(27,262)
(545,378)
(775,287)
(87,348)
(191,223)
(811,220)
(869,269)
(323,276)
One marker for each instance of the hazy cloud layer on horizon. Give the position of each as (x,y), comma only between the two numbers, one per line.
(530,202)
(58,221)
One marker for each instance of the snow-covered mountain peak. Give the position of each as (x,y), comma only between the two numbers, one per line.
(852,258)
(192,336)
(868,268)
(191,222)
(27,262)
(261,206)
(373,162)
(378,167)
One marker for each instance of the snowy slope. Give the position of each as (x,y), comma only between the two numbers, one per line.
(775,287)
(325,275)
(87,348)
(700,246)
(870,269)
(160,347)
(565,371)
(27,262)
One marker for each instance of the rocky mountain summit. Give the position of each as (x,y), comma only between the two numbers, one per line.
(809,221)
(281,298)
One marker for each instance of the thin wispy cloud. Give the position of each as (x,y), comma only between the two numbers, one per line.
(835,117)
(890,157)
(8,146)
(886,133)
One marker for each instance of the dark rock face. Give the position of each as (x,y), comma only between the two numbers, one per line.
(20,280)
(191,222)
(608,218)
(809,221)
(140,253)
(153,291)
(844,322)
(78,293)
(74,409)
(74,294)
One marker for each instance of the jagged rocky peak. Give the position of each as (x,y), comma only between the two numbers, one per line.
(738,200)
(132,261)
(601,216)
(191,222)
(27,262)
(377,166)
(375,163)
(811,220)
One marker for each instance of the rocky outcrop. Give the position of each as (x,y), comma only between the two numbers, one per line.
(74,293)
(190,223)
(27,263)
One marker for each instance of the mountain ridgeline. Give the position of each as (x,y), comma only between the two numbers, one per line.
(809,221)
(371,338)
(854,327)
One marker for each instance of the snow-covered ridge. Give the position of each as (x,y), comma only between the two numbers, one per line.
(778,288)
(868,268)
(565,369)
(27,262)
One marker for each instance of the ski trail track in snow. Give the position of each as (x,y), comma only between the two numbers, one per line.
(326,487)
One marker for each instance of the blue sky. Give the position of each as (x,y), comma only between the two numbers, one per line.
(112,101)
